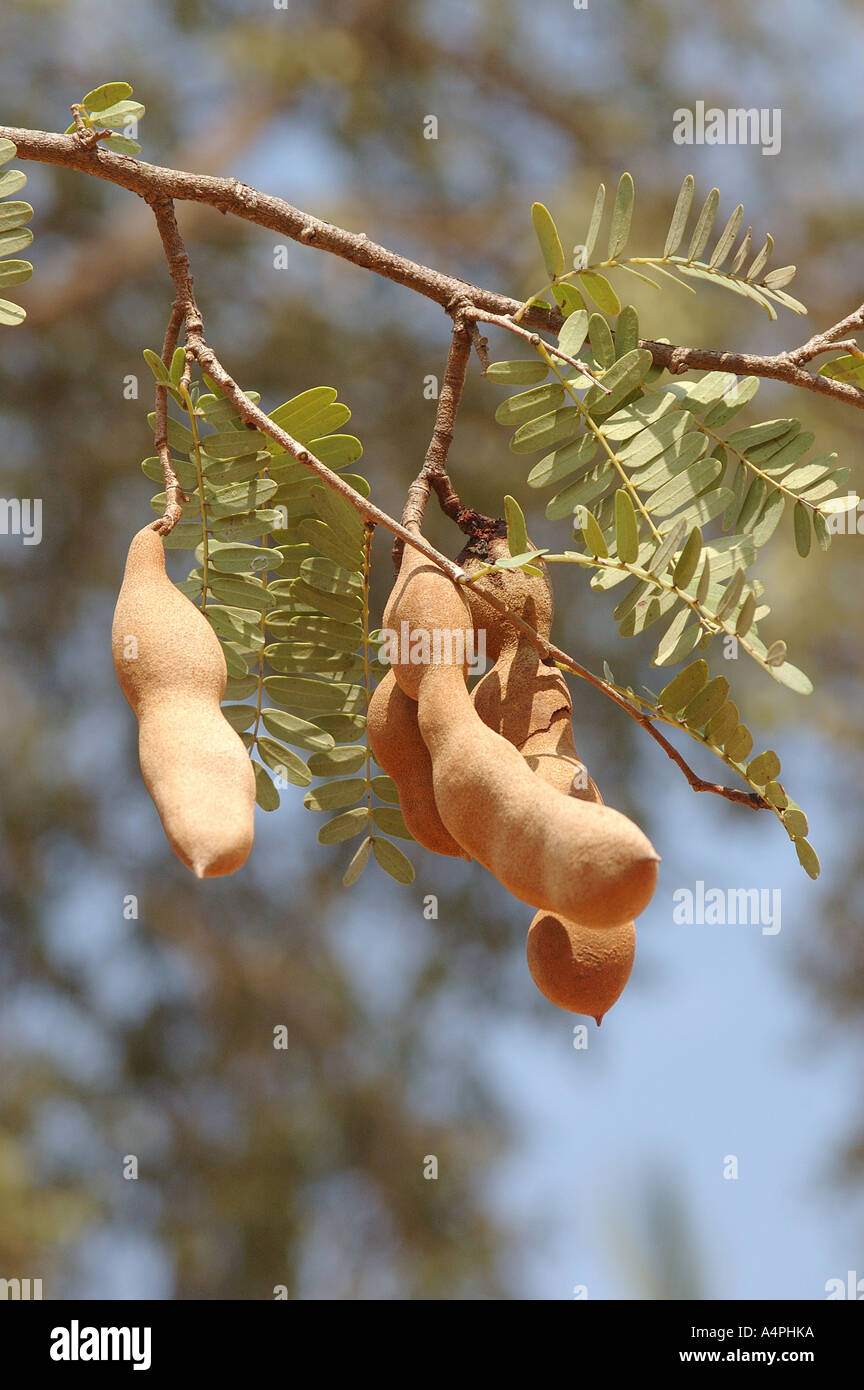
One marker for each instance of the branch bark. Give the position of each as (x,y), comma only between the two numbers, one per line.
(230,196)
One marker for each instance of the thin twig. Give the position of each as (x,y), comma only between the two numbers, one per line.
(230,196)
(434,470)
(174,497)
(505,321)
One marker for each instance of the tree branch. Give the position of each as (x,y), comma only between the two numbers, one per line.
(434,470)
(229,196)
(173,492)
(783,366)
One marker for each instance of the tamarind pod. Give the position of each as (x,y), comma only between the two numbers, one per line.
(521,695)
(577,968)
(528,595)
(559,853)
(428,610)
(394,737)
(171,668)
(566,774)
(539,701)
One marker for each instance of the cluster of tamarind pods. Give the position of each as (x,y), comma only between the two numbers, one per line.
(492,774)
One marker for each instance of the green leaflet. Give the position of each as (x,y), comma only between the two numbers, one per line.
(240,717)
(385,789)
(563,463)
(602,343)
(335,795)
(14,272)
(300,692)
(672,481)
(739,744)
(622,216)
(726,240)
(645,446)
(582,493)
(517,534)
(704,705)
(621,378)
(568,299)
(358,863)
(239,498)
(547,431)
(594,224)
(236,558)
(704,224)
(573,333)
(807,857)
(344,607)
(219,473)
(525,372)
(550,242)
(266,794)
(595,542)
(292,729)
(288,768)
(233,444)
(331,543)
(391,821)
(688,560)
(678,640)
(528,405)
(341,760)
(15,240)
(679,217)
(323,631)
(14,215)
(626,331)
(764,768)
(626,528)
(598,288)
(393,861)
(344,827)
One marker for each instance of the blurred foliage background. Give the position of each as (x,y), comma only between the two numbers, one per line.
(152,1035)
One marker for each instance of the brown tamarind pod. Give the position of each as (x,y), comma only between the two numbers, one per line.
(394,737)
(566,774)
(171,668)
(574,857)
(551,753)
(528,702)
(427,612)
(527,595)
(521,695)
(578,968)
